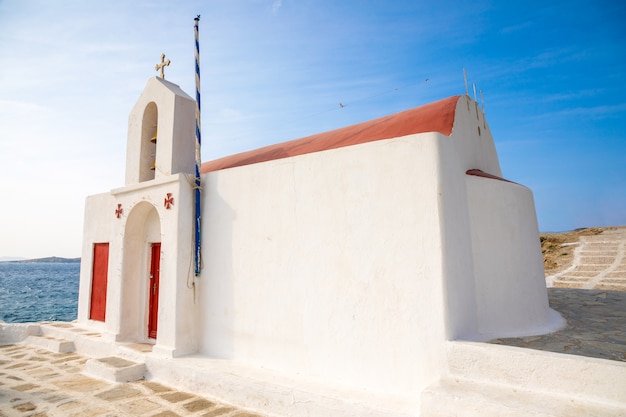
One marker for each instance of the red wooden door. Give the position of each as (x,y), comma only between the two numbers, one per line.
(99,277)
(153,303)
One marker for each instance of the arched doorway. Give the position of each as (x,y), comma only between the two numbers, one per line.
(140,274)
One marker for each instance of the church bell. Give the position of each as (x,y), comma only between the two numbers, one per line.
(153,139)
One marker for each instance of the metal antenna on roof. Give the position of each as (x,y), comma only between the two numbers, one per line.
(482,101)
(465,79)
(474,85)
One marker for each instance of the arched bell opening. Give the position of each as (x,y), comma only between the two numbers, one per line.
(149,133)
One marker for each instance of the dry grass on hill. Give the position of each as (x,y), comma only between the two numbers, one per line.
(558,248)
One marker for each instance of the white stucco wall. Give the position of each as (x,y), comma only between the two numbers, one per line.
(173,112)
(470,146)
(328,265)
(510,284)
(491,240)
(355,265)
(176,324)
(95,230)
(144,220)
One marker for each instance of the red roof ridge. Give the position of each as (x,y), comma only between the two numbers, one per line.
(433,117)
(480,173)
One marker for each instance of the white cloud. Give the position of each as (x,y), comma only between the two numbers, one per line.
(276,5)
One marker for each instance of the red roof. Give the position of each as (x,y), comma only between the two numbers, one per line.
(433,117)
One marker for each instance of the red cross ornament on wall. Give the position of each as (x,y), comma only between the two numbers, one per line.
(169,201)
(119,211)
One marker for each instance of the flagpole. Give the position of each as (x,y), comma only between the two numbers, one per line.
(197,185)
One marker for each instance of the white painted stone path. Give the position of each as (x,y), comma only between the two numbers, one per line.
(599,263)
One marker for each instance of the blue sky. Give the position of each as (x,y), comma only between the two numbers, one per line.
(552,76)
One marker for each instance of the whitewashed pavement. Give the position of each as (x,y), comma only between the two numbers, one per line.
(36,382)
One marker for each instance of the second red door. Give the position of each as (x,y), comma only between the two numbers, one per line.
(153,302)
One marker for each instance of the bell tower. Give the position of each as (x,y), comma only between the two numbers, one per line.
(161,139)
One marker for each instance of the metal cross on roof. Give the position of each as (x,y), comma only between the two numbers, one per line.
(162,65)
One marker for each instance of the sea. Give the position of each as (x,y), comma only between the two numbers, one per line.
(38,291)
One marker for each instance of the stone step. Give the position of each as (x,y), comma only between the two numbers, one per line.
(133,351)
(465,398)
(494,380)
(53,344)
(115,369)
(62,330)
(596,380)
(11,333)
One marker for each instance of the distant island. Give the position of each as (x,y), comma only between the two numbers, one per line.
(52,259)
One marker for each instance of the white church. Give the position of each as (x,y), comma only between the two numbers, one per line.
(347,273)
